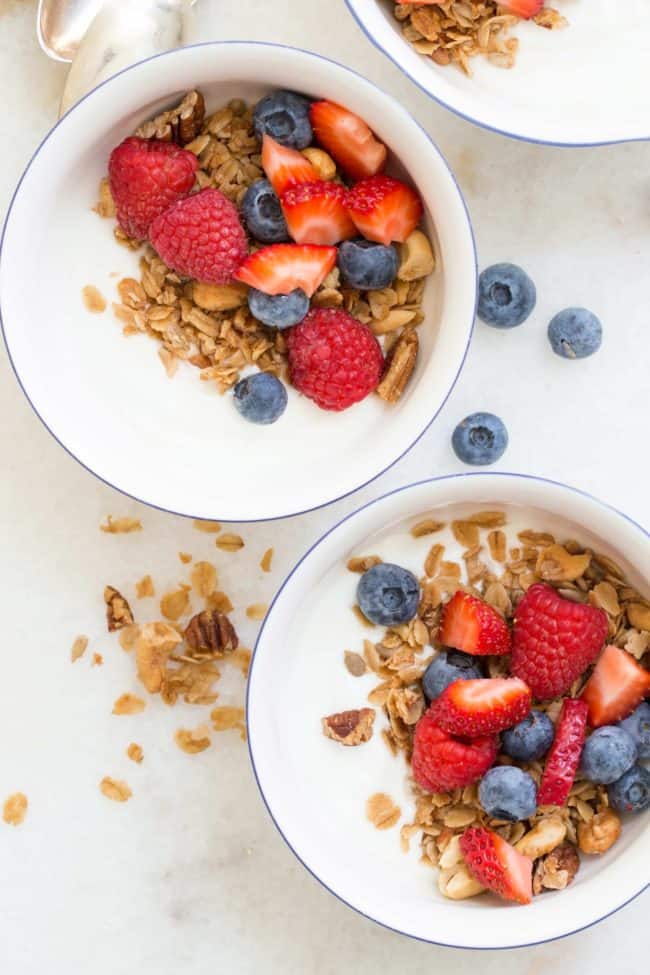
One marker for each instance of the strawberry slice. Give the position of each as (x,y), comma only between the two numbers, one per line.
(472,708)
(523,8)
(284,166)
(564,756)
(316,214)
(617,685)
(280,268)
(348,139)
(497,865)
(384,209)
(471,625)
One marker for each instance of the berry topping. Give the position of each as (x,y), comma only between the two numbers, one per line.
(445,668)
(530,739)
(334,359)
(388,594)
(281,268)
(479,439)
(278,311)
(554,640)
(608,753)
(315,213)
(260,398)
(146,177)
(523,8)
(285,167)
(201,237)
(384,209)
(631,793)
(366,265)
(617,685)
(575,333)
(506,296)
(564,756)
(638,726)
(481,707)
(441,762)
(469,624)
(507,792)
(497,865)
(284,116)
(263,214)
(348,139)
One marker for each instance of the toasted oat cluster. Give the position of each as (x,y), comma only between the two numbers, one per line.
(499,571)
(454,31)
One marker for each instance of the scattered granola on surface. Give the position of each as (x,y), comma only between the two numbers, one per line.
(115,789)
(350,727)
(14,809)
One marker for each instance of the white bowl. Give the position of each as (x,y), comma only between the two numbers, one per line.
(316,791)
(175,443)
(584,85)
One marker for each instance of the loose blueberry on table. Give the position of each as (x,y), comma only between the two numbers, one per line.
(514,700)
(275,240)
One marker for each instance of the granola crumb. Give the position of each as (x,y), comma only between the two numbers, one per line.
(241,658)
(145,588)
(220,602)
(362,563)
(93,299)
(14,809)
(185,557)
(382,812)
(115,789)
(97,660)
(175,604)
(118,611)
(354,662)
(229,543)
(349,727)
(135,752)
(121,526)
(128,637)
(266,560)
(209,527)
(257,611)
(78,648)
(128,704)
(427,527)
(204,579)
(225,718)
(193,742)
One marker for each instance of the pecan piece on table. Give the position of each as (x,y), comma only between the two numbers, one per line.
(350,727)
(557,869)
(180,124)
(118,611)
(211,632)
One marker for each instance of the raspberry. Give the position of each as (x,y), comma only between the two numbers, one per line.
(201,237)
(442,762)
(146,176)
(334,359)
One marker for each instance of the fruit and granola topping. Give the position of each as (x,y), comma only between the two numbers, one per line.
(275,246)
(516,697)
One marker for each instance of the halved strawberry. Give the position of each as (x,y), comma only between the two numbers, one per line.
(564,757)
(384,209)
(284,166)
(348,139)
(617,685)
(482,707)
(316,214)
(523,8)
(280,268)
(471,625)
(497,865)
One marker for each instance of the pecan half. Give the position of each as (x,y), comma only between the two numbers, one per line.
(118,611)
(350,727)
(401,363)
(180,124)
(211,631)
(557,869)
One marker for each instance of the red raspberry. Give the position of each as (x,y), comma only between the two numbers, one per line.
(146,176)
(333,358)
(201,237)
(442,762)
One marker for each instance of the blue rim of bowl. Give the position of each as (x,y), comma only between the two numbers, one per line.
(350,4)
(342,521)
(434,147)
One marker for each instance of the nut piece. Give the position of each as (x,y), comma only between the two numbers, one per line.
(416,257)
(457,883)
(401,364)
(14,809)
(211,631)
(322,163)
(557,869)
(154,644)
(555,564)
(639,616)
(382,811)
(219,297)
(350,727)
(546,836)
(118,611)
(180,124)
(601,832)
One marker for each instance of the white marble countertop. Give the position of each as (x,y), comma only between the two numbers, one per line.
(190,876)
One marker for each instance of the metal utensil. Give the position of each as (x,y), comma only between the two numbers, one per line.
(61,25)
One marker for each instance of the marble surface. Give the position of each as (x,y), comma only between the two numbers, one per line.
(190,875)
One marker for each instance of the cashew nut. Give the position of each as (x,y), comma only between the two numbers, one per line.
(218,297)
(600,832)
(416,257)
(395,318)
(542,838)
(322,163)
(452,854)
(457,883)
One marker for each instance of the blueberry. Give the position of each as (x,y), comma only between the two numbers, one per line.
(365,264)
(260,398)
(507,792)
(278,311)
(284,115)
(607,754)
(638,725)
(480,438)
(530,739)
(263,214)
(506,296)
(631,793)
(575,333)
(448,666)
(388,594)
